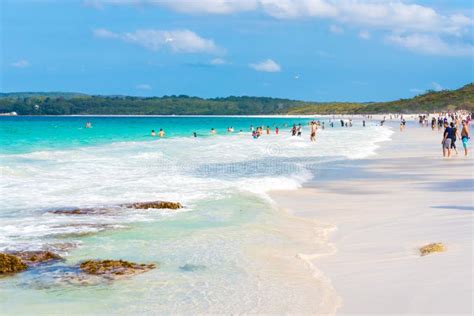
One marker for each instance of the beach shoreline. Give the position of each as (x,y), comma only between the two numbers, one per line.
(379,211)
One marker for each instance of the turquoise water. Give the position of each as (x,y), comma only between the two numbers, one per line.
(229,250)
(29,133)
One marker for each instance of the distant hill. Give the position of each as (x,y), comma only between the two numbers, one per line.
(57,103)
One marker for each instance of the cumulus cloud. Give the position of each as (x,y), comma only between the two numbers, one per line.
(22,63)
(431,45)
(268,65)
(391,15)
(402,17)
(178,41)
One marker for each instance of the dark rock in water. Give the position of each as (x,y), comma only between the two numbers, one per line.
(11,264)
(80,211)
(36,257)
(154,204)
(114,268)
(192,267)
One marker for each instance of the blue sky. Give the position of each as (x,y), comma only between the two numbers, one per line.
(320,50)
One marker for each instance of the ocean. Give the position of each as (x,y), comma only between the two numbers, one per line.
(229,250)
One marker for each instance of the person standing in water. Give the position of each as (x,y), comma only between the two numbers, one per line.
(213,131)
(153,133)
(465,136)
(161,133)
(268,130)
(277,130)
(314,129)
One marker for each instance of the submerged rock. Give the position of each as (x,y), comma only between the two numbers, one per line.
(155,204)
(80,211)
(114,268)
(192,267)
(430,248)
(35,257)
(11,264)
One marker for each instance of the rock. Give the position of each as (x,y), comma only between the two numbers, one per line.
(114,268)
(430,248)
(80,211)
(11,264)
(35,257)
(192,267)
(154,204)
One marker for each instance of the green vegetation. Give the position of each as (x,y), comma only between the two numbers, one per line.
(74,103)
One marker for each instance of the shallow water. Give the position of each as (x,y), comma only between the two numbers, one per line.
(229,250)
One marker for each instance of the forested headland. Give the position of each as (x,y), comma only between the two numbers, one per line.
(58,103)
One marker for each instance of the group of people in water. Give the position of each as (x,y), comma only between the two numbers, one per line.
(456,126)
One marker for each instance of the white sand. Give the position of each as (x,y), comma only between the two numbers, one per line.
(383,209)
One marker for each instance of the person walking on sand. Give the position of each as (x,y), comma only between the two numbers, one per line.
(454,137)
(465,136)
(447,138)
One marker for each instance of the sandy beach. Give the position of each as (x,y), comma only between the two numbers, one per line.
(373,214)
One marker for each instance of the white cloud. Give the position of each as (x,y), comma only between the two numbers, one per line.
(364,35)
(22,63)
(336,29)
(430,45)
(404,18)
(268,65)
(287,9)
(178,41)
(143,86)
(218,61)
(436,86)
(382,14)
(416,90)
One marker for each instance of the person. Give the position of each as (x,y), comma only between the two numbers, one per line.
(277,130)
(195,134)
(464,136)
(342,123)
(299,129)
(213,131)
(153,133)
(363,123)
(268,130)
(161,133)
(446,142)
(254,134)
(314,128)
(454,137)
(88,124)
(433,123)
(293,130)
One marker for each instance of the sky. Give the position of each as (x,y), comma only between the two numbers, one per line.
(315,50)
